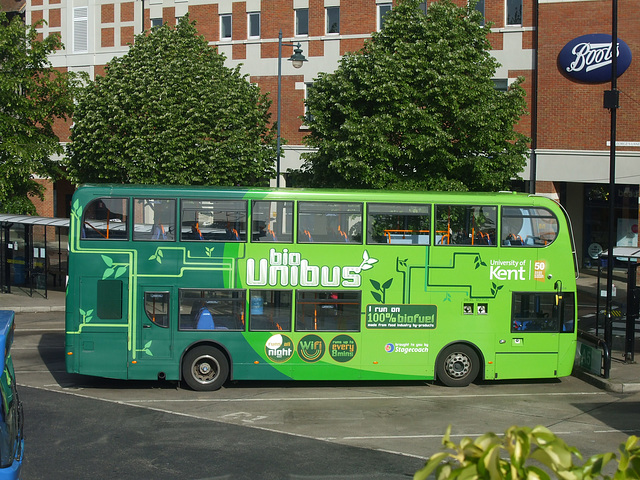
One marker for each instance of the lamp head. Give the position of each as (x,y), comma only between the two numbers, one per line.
(297,59)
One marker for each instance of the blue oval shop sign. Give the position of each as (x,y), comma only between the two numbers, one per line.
(588,58)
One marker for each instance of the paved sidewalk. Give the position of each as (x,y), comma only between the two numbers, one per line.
(623,377)
(19,301)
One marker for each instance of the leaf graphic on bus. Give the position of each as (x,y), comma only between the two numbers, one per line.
(157,256)
(86,316)
(146,348)
(495,288)
(107,260)
(380,288)
(120,271)
(108,272)
(367,262)
(479,262)
(208,251)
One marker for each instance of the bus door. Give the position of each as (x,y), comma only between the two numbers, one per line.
(155,323)
(531,346)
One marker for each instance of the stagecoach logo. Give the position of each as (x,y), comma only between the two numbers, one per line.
(289,268)
(406,348)
(311,348)
(279,348)
(588,58)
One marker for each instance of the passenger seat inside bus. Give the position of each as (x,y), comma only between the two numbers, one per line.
(204,320)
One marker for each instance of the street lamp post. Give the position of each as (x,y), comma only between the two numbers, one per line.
(297,59)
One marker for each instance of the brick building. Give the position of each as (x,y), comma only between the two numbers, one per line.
(567,121)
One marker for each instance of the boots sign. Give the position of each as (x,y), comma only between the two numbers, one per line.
(588,58)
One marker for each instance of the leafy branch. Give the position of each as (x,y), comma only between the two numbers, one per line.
(508,457)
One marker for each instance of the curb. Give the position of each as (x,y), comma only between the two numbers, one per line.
(36,309)
(606,383)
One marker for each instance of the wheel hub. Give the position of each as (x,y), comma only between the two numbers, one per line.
(457,365)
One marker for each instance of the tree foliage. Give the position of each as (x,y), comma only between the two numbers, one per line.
(416,108)
(527,453)
(32,96)
(170,112)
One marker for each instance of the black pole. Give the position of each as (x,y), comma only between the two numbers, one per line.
(533,161)
(632,313)
(612,104)
(279,108)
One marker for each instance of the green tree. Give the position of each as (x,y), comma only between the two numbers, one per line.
(170,112)
(416,108)
(32,96)
(527,453)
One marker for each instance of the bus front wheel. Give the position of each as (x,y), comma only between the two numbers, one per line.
(458,365)
(205,368)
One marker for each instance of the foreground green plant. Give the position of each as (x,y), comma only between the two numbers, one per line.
(526,453)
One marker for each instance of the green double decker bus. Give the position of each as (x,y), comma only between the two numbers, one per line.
(205,285)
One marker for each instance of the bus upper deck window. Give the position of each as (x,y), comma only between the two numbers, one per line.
(154,219)
(465,224)
(528,227)
(272,221)
(392,223)
(106,219)
(329,222)
(213,220)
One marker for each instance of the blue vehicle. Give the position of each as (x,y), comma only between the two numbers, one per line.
(11,416)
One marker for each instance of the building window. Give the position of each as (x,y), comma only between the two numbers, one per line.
(156,23)
(480,8)
(225,27)
(501,84)
(333,19)
(81,29)
(254,25)
(514,12)
(308,117)
(383,9)
(302,21)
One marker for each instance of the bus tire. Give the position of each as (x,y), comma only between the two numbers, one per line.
(205,368)
(458,365)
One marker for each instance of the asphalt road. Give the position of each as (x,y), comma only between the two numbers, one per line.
(83,427)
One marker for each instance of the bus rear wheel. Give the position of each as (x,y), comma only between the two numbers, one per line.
(458,365)
(205,368)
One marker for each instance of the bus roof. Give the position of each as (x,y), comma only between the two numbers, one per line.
(328,194)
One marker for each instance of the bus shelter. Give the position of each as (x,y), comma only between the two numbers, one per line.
(34,255)
(630,256)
